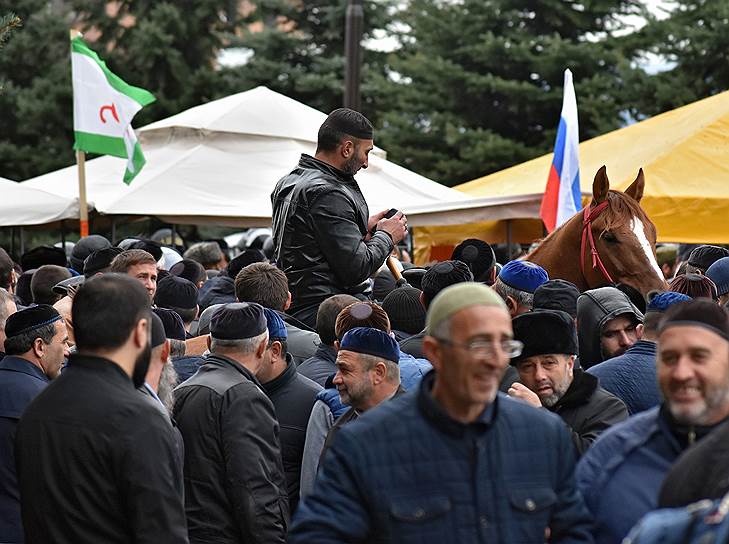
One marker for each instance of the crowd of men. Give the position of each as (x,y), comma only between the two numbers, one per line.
(298,392)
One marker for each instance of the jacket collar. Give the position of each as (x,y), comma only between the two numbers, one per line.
(221,361)
(682,435)
(98,364)
(579,392)
(283,379)
(18,364)
(327,353)
(643,347)
(307,161)
(440,419)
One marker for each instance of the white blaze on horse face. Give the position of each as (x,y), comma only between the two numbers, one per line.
(637,226)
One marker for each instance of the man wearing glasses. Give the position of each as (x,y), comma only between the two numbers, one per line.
(453,460)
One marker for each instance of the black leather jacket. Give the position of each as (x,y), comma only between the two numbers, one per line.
(319,226)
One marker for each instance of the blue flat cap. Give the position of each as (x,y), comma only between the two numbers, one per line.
(662,301)
(371,342)
(719,274)
(523,275)
(238,321)
(276,325)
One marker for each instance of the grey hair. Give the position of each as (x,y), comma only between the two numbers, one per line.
(22,343)
(392,369)
(167,382)
(246,345)
(5,297)
(442,329)
(522,298)
(177,347)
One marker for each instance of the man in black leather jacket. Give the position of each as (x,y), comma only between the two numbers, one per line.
(322,234)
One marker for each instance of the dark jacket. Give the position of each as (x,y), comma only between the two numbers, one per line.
(217,290)
(20,382)
(631,376)
(319,367)
(594,309)
(621,474)
(97,462)
(424,477)
(293,396)
(186,366)
(702,472)
(301,342)
(588,410)
(319,226)
(235,489)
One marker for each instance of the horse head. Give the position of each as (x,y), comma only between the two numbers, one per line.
(619,239)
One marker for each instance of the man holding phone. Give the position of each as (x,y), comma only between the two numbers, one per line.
(324,239)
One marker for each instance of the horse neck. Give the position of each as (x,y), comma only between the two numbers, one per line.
(559,253)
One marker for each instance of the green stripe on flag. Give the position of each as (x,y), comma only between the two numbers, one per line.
(137,94)
(138,161)
(98,143)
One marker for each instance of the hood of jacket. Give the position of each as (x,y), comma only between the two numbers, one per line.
(594,309)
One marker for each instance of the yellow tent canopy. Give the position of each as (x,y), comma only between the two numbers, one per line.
(684,154)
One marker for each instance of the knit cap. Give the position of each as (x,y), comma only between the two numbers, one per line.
(719,274)
(405,310)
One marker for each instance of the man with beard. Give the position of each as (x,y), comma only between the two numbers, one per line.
(608,323)
(621,474)
(548,377)
(323,238)
(96,461)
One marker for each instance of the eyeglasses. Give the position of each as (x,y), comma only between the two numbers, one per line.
(482,348)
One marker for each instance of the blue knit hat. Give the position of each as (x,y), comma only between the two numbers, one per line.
(523,275)
(274,323)
(719,274)
(662,301)
(371,342)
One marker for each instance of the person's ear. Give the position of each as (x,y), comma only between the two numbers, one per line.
(639,331)
(379,373)
(208,341)
(433,352)
(140,335)
(492,275)
(571,363)
(39,348)
(422,300)
(166,351)
(288,301)
(336,345)
(277,349)
(347,148)
(197,311)
(512,305)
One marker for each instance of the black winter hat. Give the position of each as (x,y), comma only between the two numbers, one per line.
(414,276)
(249,256)
(100,260)
(176,292)
(478,255)
(38,256)
(544,332)
(557,295)
(150,246)
(238,321)
(190,270)
(85,247)
(704,256)
(172,322)
(30,319)
(383,284)
(442,275)
(158,331)
(405,310)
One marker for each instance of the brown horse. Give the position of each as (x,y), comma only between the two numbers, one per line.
(610,241)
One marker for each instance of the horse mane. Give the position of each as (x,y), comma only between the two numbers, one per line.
(622,210)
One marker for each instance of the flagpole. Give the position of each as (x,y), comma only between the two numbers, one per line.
(82,205)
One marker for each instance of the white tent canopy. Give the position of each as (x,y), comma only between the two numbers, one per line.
(25,206)
(218,163)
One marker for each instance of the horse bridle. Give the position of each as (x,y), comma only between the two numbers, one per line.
(590,213)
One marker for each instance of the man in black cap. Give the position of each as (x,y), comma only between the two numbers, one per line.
(36,345)
(38,256)
(702,257)
(480,258)
(323,238)
(557,295)
(96,461)
(179,295)
(161,377)
(235,490)
(548,377)
(85,247)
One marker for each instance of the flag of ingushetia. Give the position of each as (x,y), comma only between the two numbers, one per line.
(103,109)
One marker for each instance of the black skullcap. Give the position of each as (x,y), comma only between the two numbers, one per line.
(442,275)
(22,288)
(478,255)
(176,292)
(350,122)
(85,247)
(238,321)
(557,295)
(545,332)
(383,284)
(249,256)
(30,319)
(371,342)
(697,313)
(405,310)
(704,256)
(150,246)
(189,269)
(38,256)
(157,331)
(172,322)
(100,260)
(414,276)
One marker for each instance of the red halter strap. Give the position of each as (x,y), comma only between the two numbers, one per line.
(589,214)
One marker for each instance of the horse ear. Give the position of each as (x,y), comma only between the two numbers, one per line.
(635,191)
(600,186)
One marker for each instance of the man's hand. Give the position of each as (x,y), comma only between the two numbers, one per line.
(372,221)
(521,391)
(396,226)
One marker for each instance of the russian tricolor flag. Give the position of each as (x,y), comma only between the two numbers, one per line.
(562,198)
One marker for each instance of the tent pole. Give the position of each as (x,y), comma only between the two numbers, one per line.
(22,240)
(113,231)
(174,235)
(508,238)
(63,236)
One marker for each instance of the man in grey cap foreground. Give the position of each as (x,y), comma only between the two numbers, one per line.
(452,460)
(234,481)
